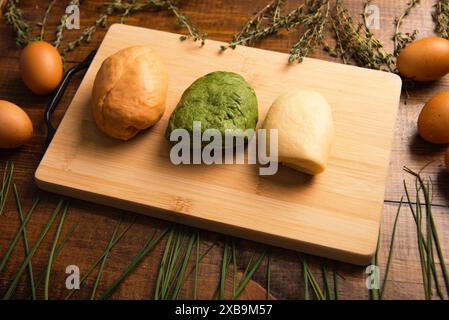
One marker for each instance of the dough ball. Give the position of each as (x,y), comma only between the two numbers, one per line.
(305,130)
(129,92)
(219,100)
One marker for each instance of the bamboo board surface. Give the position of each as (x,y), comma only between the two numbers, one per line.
(335,215)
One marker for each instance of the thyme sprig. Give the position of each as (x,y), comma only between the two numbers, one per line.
(184,21)
(14,18)
(127,11)
(311,17)
(88,32)
(355,42)
(399,38)
(22,27)
(441,17)
(62,25)
(314,22)
(44,20)
(263,23)
(123,9)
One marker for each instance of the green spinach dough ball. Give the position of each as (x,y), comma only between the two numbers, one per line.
(219,100)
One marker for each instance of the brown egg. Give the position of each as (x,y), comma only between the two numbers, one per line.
(446,159)
(433,122)
(16,128)
(41,67)
(424,60)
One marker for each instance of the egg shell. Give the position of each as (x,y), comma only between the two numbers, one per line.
(426,59)
(41,67)
(433,121)
(16,128)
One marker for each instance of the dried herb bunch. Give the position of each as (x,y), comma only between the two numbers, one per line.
(44,20)
(314,23)
(124,9)
(21,27)
(116,8)
(355,42)
(62,25)
(311,18)
(88,32)
(402,39)
(441,17)
(184,21)
(262,24)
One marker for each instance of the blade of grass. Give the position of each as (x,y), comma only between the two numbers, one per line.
(179,264)
(436,240)
(161,273)
(305,278)
(434,273)
(95,264)
(429,245)
(373,292)
(248,274)
(269,276)
(17,236)
(185,261)
(197,265)
(7,178)
(440,257)
(224,268)
(134,263)
(25,242)
(234,267)
(421,243)
(52,251)
(433,227)
(327,290)
(335,278)
(103,261)
(422,248)
(172,262)
(36,245)
(181,254)
(390,253)
(430,250)
(58,251)
(316,288)
(219,294)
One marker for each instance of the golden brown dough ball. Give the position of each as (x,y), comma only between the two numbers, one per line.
(129,92)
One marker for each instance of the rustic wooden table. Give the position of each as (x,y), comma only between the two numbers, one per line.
(220,19)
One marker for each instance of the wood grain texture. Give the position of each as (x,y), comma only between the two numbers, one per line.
(220,19)
(286,209)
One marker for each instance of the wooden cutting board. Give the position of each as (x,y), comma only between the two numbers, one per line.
(335,214)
